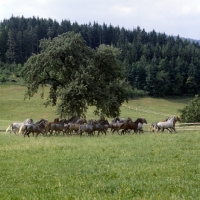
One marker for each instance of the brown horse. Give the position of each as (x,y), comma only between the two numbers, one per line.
(116,126)
(74,125)
(130,125)
(48,125)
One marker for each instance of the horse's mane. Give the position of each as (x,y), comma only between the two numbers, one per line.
(81,121)
(41,120)
(139,120)
(73,119)
(56,119)
(28,121)
(115,119)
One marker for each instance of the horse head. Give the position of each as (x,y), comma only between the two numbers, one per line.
(56,119)
(177,119)
(144,120)
(128,120)
(28,121)
(105,121)
(91,122)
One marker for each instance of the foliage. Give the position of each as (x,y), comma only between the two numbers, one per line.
(78,76)
(159,64)
(191,112)
(10,72)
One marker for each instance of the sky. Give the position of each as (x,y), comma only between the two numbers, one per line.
(172,17)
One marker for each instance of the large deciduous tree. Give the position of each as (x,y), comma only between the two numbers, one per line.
(78,76)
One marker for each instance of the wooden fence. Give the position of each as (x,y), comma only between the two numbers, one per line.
(181,126)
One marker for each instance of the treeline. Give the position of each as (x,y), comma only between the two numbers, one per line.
(155,63)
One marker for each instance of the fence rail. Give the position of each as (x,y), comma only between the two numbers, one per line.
(181,126)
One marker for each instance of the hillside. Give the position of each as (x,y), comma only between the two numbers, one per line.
(14,108)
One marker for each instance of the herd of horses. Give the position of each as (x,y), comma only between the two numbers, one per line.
(78,126)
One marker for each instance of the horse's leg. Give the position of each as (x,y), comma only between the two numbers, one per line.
(173,128)
(11,130)
(25,132)
(169,129)
(98,133)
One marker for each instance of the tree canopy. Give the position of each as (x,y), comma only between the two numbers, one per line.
(155,63)
(191,113)
(78,76)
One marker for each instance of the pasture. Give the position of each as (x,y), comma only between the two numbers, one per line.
(145,166)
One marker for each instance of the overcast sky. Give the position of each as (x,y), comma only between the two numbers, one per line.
(173,17)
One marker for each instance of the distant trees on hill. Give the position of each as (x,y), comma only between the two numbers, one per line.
(158,64)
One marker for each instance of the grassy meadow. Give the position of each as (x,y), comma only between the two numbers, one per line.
(146,166)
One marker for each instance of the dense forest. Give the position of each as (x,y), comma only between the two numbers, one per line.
(155,63)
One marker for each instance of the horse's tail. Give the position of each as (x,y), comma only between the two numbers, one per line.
(151,127)
(20,129)
(10,126)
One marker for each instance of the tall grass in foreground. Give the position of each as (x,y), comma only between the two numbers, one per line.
(146,166)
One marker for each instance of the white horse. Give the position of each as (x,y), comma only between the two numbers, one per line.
(169,124)
(14,127)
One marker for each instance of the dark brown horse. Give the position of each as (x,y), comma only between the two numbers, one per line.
(130,125)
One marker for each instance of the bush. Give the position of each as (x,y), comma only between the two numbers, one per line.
(139,93)
(191,113)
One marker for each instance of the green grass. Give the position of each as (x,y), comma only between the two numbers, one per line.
(146,166)
(149,166)
(14,108)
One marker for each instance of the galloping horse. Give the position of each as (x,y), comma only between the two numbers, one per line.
(100,126)
(116,126)
(129,124)
(140,129)
(88,128)
(14,127)
(48,125)
(113,121)
(34,128)
(169,124)
(58,127)
(73,125)
(23,127)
